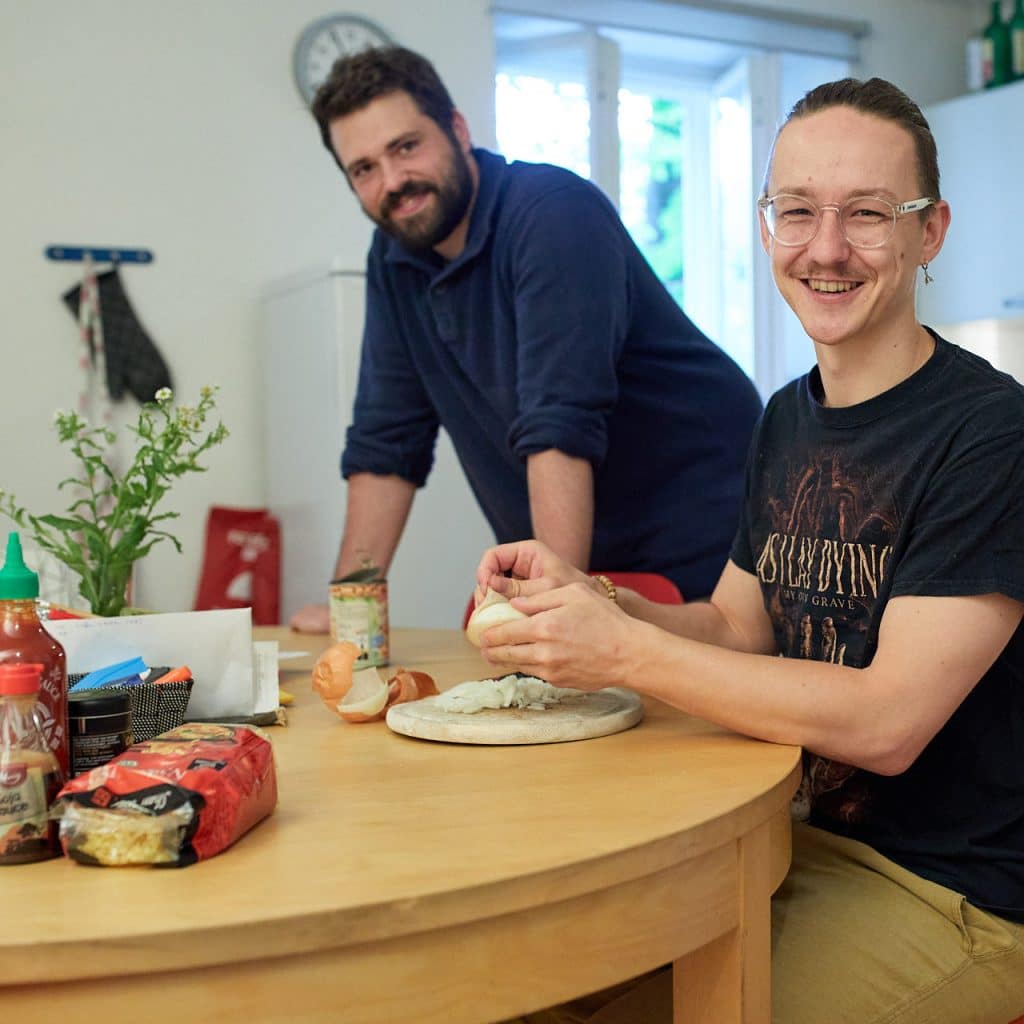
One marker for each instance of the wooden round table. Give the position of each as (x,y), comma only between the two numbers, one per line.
(404,880)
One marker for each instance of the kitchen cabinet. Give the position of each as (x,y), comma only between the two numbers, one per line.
(979,274)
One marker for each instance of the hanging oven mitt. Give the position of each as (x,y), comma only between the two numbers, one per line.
(133,361)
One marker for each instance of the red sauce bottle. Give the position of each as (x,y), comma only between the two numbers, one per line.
(24,639)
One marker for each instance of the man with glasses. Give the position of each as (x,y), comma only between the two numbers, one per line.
(881,554)
(507,303)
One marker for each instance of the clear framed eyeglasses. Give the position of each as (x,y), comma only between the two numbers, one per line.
(867,222)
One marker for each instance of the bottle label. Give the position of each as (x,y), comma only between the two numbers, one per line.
(1017,58)
(987,60)
(26,791)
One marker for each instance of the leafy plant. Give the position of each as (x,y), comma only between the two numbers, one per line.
(113,521)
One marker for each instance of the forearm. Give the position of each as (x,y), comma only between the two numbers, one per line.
(701,620)
(376,513)
(733,618)
(562,504)
(931,652)
(832,710)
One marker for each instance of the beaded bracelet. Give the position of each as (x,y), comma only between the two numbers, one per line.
(613,594)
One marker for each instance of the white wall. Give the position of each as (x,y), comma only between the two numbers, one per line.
(920,45)
(174,125)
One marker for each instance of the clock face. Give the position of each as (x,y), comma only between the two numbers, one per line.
(324,41)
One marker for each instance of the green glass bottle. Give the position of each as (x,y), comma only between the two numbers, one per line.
(996,41)
(1017,41)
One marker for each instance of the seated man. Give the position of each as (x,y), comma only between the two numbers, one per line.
(881,553)
(508,304)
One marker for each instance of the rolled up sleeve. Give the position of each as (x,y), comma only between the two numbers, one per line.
(394,426)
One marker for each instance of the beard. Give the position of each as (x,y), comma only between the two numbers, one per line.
(434,224)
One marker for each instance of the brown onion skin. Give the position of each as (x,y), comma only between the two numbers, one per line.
(332,673)
(406,685)
(332,679)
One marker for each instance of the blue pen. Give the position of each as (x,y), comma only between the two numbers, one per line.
(130,672)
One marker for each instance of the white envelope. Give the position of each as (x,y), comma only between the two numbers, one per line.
(216,645)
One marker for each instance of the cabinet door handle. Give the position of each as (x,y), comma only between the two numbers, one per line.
(1017,302)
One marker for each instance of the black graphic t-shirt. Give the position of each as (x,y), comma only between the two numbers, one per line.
(918,491)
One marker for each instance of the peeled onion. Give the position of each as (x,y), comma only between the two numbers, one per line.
(362,695)
(493,610)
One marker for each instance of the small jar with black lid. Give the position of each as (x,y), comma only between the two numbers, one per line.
(101,727)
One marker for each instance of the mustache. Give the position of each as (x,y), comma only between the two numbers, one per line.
(408,191)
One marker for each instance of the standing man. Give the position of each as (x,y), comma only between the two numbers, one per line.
(881,554)
(507,303)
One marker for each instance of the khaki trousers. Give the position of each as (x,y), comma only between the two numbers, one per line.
(856,939)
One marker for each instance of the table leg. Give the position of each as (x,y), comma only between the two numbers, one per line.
(728,981)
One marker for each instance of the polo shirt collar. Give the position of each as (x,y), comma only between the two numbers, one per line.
(493,169)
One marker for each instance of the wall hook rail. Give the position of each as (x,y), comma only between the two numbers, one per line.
(77,253)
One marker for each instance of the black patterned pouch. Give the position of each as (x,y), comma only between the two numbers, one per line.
(156,707)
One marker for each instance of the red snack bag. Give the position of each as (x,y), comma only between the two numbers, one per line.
(242,563)
(179,797)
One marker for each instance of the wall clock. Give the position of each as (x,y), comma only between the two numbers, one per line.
(323,41)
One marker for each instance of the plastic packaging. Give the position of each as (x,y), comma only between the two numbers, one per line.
(29,774)
(23,638)
(180,797)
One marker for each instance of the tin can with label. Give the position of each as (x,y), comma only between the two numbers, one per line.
(359,614)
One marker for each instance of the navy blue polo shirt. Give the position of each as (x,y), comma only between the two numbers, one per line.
(550,330)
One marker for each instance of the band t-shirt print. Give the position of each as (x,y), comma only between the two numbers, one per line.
(917,491)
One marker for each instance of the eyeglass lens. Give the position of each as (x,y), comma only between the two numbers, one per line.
(866,221)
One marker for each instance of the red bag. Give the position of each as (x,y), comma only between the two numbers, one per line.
(180,797)
(242,563)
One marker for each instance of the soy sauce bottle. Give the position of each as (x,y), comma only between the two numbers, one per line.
(30,776)
(23,638)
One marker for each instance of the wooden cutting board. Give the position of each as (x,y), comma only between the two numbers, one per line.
(597,714)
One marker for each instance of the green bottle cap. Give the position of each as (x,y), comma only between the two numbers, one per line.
(17,581)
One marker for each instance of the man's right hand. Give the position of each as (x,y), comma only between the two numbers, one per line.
(533,566)
(312,618)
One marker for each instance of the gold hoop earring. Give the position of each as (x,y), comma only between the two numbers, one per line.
(927,277)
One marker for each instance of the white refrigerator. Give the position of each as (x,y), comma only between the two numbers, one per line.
(310,337)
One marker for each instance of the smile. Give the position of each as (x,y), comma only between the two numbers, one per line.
(410,205)
(407,203)
(832,286)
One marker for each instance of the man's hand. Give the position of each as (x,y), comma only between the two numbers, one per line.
(312,618)
(572,636)
(534,566)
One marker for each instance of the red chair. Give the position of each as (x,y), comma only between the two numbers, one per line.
(651,585)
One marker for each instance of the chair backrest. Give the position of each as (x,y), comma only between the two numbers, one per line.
(651,585)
